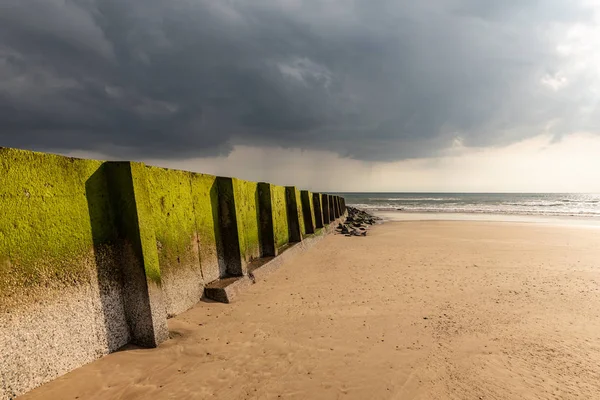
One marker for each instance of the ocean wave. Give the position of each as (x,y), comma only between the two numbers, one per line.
(536,204)
(413,199)
(581,201)
(481,209)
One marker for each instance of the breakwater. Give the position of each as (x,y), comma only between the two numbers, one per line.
(95,255)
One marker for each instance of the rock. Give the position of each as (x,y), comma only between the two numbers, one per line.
(357,222)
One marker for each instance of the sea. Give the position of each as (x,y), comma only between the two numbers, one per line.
(565,205)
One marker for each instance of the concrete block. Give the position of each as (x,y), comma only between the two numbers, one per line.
(330,202)
(336,207)
(144,304)
(318,213)
(300,212)
(228,230)
(247,209)
(325,207)
(174,217)
(205,198)
(280,216)
(307,212)
(292,214)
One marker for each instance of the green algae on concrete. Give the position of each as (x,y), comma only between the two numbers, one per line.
(307,212)
(317,211)
(280,218)
(206,208)
(173,217)
(336,206)
(292,213)
(45,225)
(228,230)
(331,208)
(61,276)
(176,239)
(246,201)
(325,208)
(142,293)
(265,211)
(131,202)
(300,212)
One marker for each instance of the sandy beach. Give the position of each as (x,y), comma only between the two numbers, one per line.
(415,310)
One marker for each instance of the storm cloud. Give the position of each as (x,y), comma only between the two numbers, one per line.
(370,80)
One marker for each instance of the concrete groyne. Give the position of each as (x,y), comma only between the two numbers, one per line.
(95,255)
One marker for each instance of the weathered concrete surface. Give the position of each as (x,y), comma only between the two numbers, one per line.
(228,230)
(307,212)
(300,212)
(238,224)
(61,303)
(206,209)
(267,233)
(247,216)
(176,238)
(330,202)
(280,216)
(71,327)
(318,213)
(143,297)
(295,229)
(335,207)
(325,208)
(95,255)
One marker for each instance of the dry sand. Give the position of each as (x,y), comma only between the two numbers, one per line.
(416,310)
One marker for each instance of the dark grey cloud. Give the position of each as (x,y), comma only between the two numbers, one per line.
(372,80)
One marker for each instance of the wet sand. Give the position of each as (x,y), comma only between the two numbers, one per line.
(416,310)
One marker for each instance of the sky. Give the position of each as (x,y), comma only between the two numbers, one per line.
(329,95)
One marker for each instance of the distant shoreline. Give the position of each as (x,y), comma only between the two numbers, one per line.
(395,215)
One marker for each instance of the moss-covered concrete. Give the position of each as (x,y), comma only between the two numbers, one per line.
(299,211)
(265,208)
(45,223)
(280,219)
(247,203)
(331,204)
(228,230)
(61,255)
(325,208)
(206,203)
(142,293)
(174,218)
(307,212)
(295,232)
(311,208)
(111,248)
(133,213)
(317,211)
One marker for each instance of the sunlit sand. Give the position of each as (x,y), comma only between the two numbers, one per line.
(415,310)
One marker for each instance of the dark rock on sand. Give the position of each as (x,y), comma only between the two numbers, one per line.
(357,222)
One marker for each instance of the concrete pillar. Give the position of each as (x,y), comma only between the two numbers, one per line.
(317,210)
(228,230)
(325,207)
(268,248)
(307,212)
(143,297)
(331,208)
(292,214)
(280,216)
(336,207)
